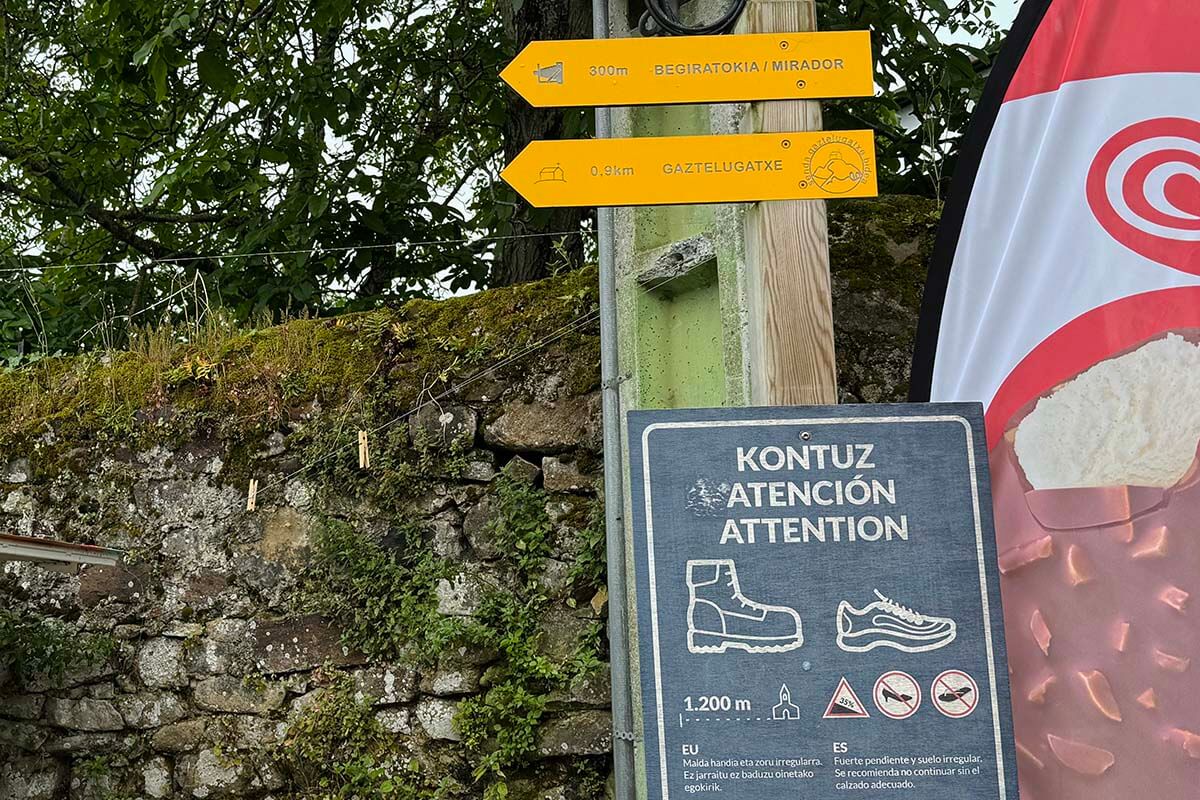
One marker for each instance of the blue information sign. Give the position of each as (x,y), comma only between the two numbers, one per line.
(818,608)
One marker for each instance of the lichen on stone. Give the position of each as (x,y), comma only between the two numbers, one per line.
(879,253)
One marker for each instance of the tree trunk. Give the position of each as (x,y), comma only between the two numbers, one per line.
(527,259)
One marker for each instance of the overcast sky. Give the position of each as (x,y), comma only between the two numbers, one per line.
(1006,10)
(1004,14)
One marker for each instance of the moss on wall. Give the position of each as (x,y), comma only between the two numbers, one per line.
(879,253)
(233,383)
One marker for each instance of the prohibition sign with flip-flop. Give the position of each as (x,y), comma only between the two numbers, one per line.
(955,694)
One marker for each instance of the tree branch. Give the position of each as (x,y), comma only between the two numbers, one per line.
(149,216)
(106,219)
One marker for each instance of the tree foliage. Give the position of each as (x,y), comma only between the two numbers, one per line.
(152,134)
(152,151)
(931,60)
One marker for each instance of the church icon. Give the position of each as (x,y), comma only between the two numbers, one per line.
(554,174)
(786,709)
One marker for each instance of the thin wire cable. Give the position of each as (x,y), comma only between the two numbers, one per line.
(560,333)
(130,317)
(577,324)
(394,246)
(658,19)
(310,250)
(565,330)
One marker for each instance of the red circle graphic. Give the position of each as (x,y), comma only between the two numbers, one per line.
(951,703)
(1144,189)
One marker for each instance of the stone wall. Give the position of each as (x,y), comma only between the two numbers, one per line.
(449,598)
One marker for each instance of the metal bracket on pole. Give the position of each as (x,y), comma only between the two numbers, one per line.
(613,383)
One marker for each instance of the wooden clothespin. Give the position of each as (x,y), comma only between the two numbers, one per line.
(364,451)
(252,495)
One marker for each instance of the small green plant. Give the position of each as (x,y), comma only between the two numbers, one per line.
(334,727)
(255,682)
(31,645)
(501,725)
(590,570)
(101,777)
(385,599)
(94,767)
(433,458)
(521,527)
(337,750)
(585,661)
(589,778)
(564,259)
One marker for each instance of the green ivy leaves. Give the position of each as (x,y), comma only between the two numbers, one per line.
(931,61)
(30,646)
(385,600)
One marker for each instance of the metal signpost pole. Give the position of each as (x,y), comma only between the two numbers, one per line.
(624,776)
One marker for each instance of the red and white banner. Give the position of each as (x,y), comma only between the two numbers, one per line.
(1065,296)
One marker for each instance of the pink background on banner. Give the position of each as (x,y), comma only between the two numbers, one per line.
(1081,243)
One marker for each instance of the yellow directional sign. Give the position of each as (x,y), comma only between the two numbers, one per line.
(678,170)
(693,69)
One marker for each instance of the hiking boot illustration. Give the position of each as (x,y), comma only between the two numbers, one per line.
(721,618)
(886,623)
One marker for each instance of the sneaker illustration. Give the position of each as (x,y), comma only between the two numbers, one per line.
(886,623)
(721,618)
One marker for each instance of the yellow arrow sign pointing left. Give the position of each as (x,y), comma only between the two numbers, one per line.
(679,170)
(693,69)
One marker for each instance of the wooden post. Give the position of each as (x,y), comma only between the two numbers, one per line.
(789,300)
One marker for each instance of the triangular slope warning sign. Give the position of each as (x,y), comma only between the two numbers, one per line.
(845,704)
